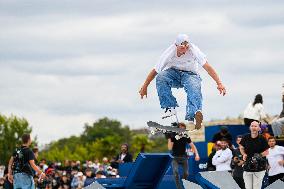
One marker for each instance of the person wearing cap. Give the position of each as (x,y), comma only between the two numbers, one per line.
(223,133)
(178,67)
(223,156)
(78,181)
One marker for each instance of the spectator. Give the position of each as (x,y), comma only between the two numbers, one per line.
(21,164)
(105,164)
(43,165)
(65,181)
(75,166)
(264,131)
(275,160)
(123,157)
(223,133)
(222,158)
(89,177)
(100,174)
(237,165)
(254,111)
(56,179)
(277,124)
(78,181)
(178,148)
(114,173)
(253,148)
(96,165)
(67,166)
(210,166)
(35,151)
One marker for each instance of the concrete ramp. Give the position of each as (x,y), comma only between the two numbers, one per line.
(217,180)
(94,185)
(276,185)
(190,185)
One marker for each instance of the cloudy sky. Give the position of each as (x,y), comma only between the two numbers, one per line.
(66,63)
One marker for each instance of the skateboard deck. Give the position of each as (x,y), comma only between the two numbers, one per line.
(180,132)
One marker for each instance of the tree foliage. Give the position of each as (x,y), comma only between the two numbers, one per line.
(11,130)
(101,139)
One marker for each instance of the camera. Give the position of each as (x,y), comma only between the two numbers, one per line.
(256,163)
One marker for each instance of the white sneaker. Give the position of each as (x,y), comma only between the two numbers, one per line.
(169,112)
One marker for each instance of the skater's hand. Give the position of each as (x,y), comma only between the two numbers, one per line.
(221,88)
(143,92)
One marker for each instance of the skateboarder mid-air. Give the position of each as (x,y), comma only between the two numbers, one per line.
(178,67)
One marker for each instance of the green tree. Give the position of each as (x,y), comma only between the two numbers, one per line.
(11,130)
(101,139)
(106,147)
(105,127)
(141,143)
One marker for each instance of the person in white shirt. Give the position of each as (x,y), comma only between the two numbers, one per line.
(222,158)
(254,111)
(275,161)
(178,67)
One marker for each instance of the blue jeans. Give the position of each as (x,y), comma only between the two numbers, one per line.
(183,161)
(173,78)
(23,181)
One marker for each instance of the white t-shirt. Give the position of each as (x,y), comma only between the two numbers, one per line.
(190,61)
(275,155)
(122,156)
(222,160)
(255,112)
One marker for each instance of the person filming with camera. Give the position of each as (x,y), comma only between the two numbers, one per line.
(254,148)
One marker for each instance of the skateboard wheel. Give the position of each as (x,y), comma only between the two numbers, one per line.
(153,132)
(177,137)
(164,131)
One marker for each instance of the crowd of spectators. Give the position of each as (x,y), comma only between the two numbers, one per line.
(254,155)
(73,174)
(70,174)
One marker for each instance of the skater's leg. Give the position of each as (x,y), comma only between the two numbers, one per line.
(192,86)
(166,80)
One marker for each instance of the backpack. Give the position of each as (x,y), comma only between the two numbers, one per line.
(19,161)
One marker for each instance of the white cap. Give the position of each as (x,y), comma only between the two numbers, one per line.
(181,38)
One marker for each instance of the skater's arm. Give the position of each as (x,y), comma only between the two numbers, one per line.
(195,151)
(150,77)
(210,70)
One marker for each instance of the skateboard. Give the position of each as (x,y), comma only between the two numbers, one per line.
(180,132)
